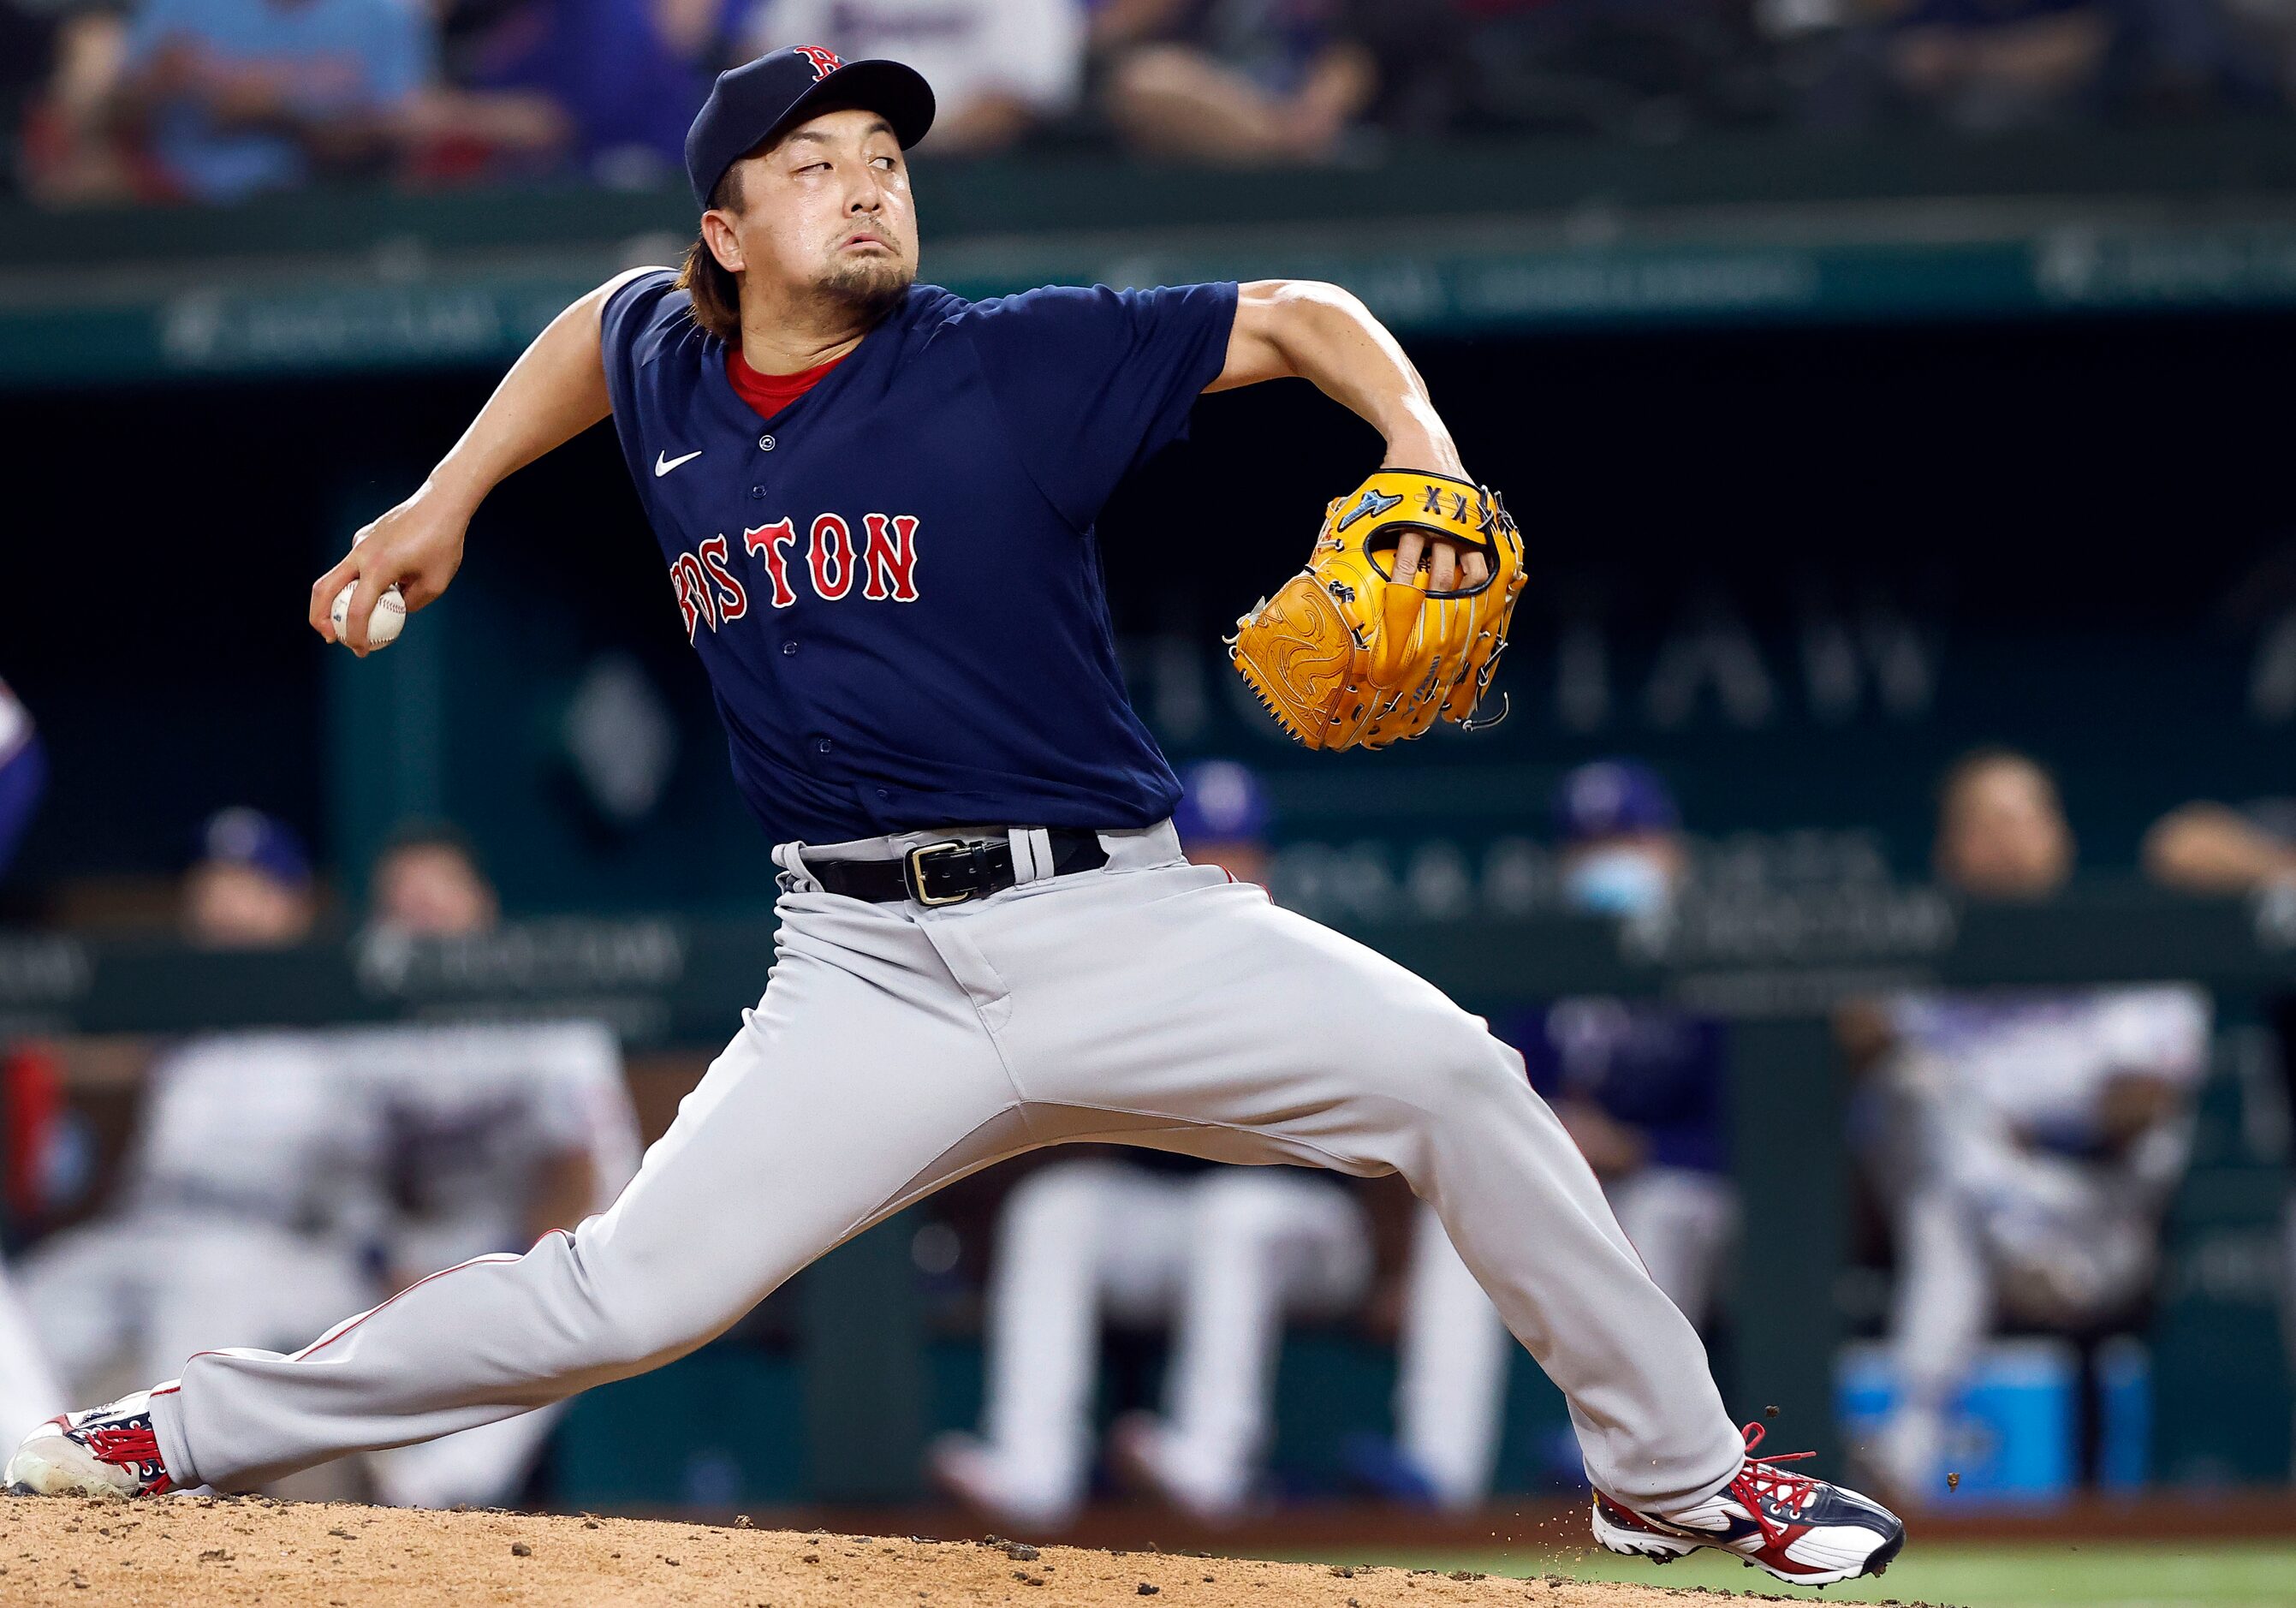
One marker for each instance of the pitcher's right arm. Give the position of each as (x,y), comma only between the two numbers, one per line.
(554,392)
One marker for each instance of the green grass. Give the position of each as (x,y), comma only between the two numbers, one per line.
(2068,1574)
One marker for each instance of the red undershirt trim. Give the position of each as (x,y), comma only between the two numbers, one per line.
(769,394)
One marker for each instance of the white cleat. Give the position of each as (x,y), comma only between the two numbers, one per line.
(1798,1528)
(106,1451)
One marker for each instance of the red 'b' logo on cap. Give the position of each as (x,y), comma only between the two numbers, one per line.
(824,60)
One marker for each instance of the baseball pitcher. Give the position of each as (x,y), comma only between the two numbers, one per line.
(876,502)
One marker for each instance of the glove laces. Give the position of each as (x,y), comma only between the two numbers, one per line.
(1761,1485)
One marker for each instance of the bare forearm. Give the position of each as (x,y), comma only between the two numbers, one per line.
(554,391)
(1323,334)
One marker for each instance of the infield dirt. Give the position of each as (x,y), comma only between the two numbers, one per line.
(189,1552)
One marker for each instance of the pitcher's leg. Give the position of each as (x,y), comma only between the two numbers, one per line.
(1249,1029)
(859,1083)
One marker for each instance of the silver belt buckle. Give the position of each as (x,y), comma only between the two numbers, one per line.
(915,864)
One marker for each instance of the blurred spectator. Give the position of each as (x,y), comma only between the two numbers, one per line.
(1991,64)
(1240,81)
(73,152)
(1649,70)
(1224,1256)
(237,97)
(23,773)
(997,68)
(613,82)
(2026,1143)
(213,99)
(251,887)
(426,883)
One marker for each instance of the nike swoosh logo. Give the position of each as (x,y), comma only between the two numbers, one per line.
(663,463)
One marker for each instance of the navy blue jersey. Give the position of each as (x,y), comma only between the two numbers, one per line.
(1650,1066)
(893,582)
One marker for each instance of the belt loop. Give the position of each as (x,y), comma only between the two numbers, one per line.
(1032,854)
(791,858)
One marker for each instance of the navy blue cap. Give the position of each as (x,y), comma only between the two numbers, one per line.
(246,837)
(1221,803)
(751,102)
(1611,797)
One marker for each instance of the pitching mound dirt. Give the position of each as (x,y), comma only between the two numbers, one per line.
(191,1551)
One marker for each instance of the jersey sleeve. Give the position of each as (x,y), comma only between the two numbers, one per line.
(1092,383)
(636,314)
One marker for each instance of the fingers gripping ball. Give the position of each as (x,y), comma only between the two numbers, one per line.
(384,626)
(1349,655)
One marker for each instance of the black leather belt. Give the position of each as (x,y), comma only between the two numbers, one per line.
(951,872)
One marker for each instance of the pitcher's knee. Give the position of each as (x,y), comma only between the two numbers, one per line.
(622,1321)
(1459,1071)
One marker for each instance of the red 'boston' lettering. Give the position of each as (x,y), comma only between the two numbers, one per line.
(694,602)
(687,609)
(829,557)
(767,541)
(891,557)
(732,601)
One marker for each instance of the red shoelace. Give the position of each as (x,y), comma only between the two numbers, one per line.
(1761,1478)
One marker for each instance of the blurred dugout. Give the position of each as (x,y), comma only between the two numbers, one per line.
(281,1182)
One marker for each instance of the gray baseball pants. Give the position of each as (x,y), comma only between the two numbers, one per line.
(1150,1002)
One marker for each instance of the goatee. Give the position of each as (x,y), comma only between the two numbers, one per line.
(866,291)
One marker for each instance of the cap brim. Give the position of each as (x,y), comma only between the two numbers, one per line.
(894,90)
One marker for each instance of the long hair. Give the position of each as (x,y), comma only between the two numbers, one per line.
(715,290)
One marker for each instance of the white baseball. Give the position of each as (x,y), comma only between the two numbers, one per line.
(382,627)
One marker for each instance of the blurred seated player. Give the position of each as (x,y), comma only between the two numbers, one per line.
(1640,1088)
(250,885)
(1237,82)
(29,1392)
(488,1137)
(2218,848)
(1222,1256)
(2209,848)
(428,883)
(2025,1142)
(999,69)
(246,1197)
(23,773)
